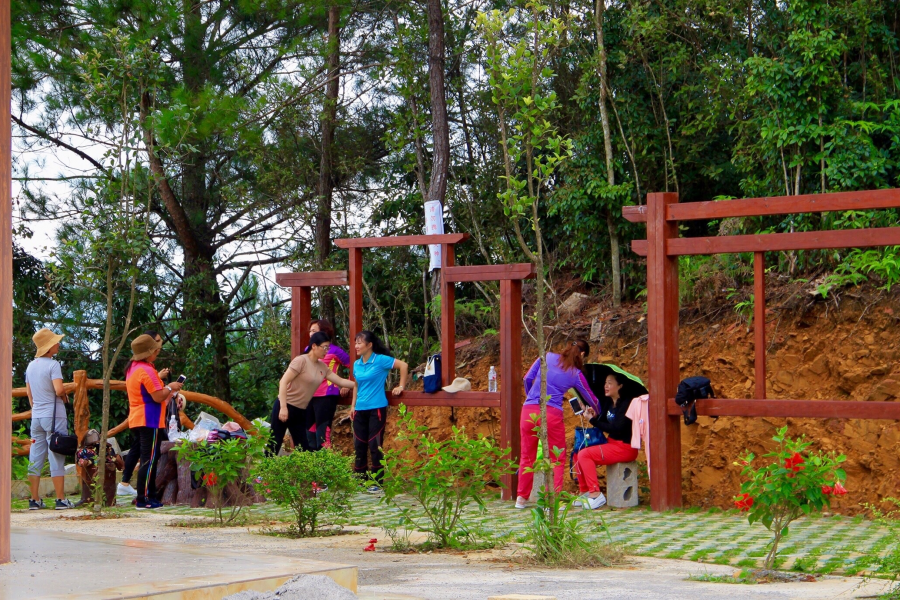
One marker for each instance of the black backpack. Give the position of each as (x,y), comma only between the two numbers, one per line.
(689,391)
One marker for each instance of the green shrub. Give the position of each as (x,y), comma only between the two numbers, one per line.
(316,486)
(794,483)
(442,477)
(19,467)
(225,462)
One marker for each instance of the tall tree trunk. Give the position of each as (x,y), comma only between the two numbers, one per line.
(440,165)
(599,10)
(205,312)
(326,165)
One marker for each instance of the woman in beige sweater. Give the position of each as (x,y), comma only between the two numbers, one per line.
(298,384)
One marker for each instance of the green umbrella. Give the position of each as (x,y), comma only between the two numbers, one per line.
(596,374)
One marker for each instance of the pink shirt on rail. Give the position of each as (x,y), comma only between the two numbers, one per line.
(639,414)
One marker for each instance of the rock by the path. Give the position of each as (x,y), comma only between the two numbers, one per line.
(301,587)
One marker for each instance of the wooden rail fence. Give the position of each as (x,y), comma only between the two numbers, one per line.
(663,246)
(79,387)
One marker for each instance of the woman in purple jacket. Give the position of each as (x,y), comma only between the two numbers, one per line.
(322,407)
(563,374)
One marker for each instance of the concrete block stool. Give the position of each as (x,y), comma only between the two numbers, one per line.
(622,484)
(536,486)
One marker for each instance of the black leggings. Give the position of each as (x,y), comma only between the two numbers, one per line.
(132,458)
(149,439)
(320,413)
(296,424)
(368,434)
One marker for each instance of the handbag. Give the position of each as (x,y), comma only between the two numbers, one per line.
(585,437)
(432,379)
(62,443)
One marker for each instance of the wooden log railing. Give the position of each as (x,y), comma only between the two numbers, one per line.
(80,407)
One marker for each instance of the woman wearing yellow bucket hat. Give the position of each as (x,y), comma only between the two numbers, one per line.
(47,397)
(148,399)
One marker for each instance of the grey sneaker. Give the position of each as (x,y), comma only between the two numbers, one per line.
(373,489)
(32,505)
(65,504)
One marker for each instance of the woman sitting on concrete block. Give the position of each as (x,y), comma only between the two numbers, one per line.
(613,422)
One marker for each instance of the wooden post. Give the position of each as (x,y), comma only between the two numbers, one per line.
(355,275)
(448,316)
(81,410)
(759,321)
(662,347)
(510,375)
(301,301)
(6,281)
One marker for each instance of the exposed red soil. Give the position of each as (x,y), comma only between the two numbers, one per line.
(817,349)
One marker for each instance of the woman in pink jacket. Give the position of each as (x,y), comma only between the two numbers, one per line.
(320,413)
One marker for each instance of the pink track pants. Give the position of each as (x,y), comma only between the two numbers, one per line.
(556,436)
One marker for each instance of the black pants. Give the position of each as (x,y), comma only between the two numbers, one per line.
(320,413)
(368,435)
(296,424)
(149,439)
(132,458)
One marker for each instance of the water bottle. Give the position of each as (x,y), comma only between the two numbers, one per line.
(492,379)
(173,428)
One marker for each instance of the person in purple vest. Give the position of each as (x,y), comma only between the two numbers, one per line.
(320,413)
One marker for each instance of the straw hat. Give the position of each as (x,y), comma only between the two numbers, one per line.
(460,384)
(143,346)
(44,340)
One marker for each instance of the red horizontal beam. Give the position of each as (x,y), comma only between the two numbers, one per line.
(776,242)
(774,205)
(516,271)
(813,409)
(312,279)
(639,247)
(784,205)
(401,240)
(463,399)
(635,214)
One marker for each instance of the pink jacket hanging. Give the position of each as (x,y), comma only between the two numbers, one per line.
(639,414)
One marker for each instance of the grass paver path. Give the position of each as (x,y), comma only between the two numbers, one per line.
(816,544)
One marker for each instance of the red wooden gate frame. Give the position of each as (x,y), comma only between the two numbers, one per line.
(662,248)
(508,399)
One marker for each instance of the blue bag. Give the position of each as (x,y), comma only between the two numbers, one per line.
(432,379)
(585,437)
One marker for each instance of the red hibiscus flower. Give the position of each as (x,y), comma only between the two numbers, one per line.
(794,463)
(839,490)
(827,489)
(210,479)
(744,502)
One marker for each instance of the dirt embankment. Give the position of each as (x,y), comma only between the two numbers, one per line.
(817,349)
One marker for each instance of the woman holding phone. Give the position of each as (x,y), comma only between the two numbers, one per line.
(563,373)
(613,421)
(148,399)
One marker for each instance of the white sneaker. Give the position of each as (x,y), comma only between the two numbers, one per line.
(521,502)
(580,501)
(595,503)
(124,489)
